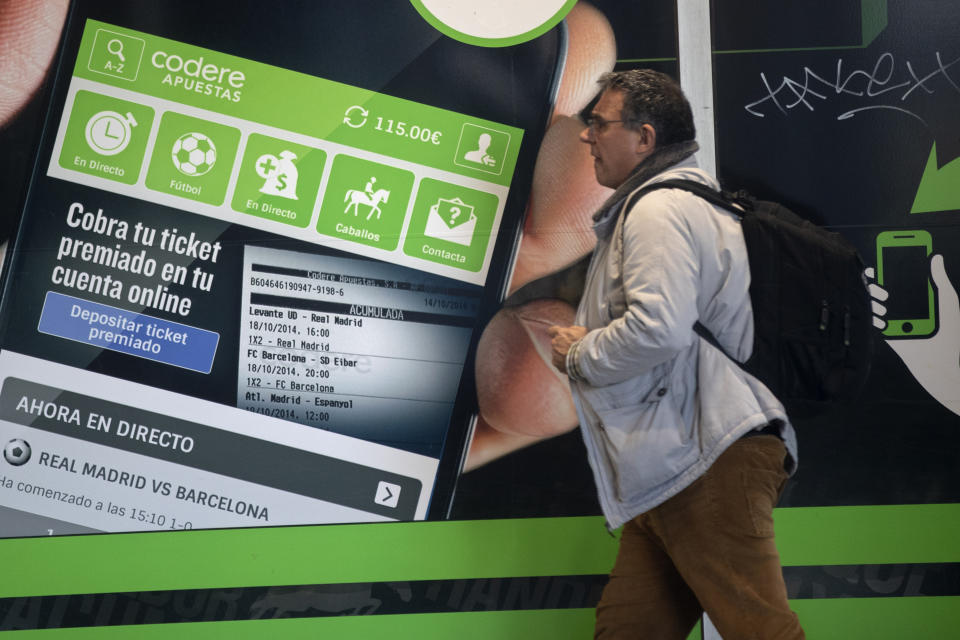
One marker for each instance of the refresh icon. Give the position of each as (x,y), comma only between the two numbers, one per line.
(358,112)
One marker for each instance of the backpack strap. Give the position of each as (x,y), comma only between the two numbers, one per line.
(736,203)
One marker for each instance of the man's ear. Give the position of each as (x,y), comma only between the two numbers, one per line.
(647,140)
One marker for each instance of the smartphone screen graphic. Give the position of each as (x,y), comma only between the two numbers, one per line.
(903,269)
(250,274)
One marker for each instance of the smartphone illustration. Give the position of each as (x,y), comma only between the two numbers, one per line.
(256,255)
(903,269)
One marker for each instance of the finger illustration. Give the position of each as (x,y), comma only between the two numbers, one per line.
(949,304)
(522,397)
(877,294)
(28,37)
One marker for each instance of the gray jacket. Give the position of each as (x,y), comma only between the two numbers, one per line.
(657,403)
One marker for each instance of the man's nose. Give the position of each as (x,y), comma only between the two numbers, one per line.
(586,135)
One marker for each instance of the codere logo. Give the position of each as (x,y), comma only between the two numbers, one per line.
(193,74)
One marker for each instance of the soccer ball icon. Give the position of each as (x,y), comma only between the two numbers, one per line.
(17,452)
(194,154)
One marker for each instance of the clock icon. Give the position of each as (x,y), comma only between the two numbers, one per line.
(108,133)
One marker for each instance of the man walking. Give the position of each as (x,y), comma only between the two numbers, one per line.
(688,451)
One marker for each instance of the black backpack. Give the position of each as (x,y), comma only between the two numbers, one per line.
(813,326)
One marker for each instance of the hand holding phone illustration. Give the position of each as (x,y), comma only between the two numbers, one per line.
(523,398)
(933,360)
(29,34)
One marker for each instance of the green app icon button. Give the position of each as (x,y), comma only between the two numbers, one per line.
(116,54)
(106,137)
(482,148)
(192,158)
(451,225)
(365,202)
(278,180)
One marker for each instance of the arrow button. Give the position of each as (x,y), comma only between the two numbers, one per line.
(388,494)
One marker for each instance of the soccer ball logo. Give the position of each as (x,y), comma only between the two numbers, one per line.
(194,154)
(17,452)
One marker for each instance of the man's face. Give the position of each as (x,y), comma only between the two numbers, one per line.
(616,150)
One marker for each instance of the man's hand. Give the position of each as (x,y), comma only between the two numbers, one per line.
(562,338)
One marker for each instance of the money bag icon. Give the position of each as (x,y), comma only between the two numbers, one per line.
(279,174)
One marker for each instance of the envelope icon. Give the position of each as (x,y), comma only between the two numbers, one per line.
(451,220)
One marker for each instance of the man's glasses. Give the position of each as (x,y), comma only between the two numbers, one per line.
(598,123)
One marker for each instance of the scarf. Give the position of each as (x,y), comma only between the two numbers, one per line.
(658,161)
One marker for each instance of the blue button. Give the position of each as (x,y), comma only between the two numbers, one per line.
(136,334)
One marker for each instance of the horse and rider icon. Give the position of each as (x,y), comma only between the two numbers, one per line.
(370,197)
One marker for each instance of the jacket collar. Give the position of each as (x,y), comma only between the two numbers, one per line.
(660,160)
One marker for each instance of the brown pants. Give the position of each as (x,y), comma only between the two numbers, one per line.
(710,548)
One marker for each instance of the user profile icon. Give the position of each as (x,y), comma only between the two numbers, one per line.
(17,452)
(482,148)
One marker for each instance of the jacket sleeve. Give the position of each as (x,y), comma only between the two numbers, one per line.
(660,280)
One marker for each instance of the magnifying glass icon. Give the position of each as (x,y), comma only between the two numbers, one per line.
(116,48)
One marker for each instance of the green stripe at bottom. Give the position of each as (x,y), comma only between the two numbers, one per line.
(894,534)
(911,618)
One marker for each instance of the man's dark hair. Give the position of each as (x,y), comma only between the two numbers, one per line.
(655,98)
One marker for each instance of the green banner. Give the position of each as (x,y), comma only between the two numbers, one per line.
(436,551)
(298,103)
